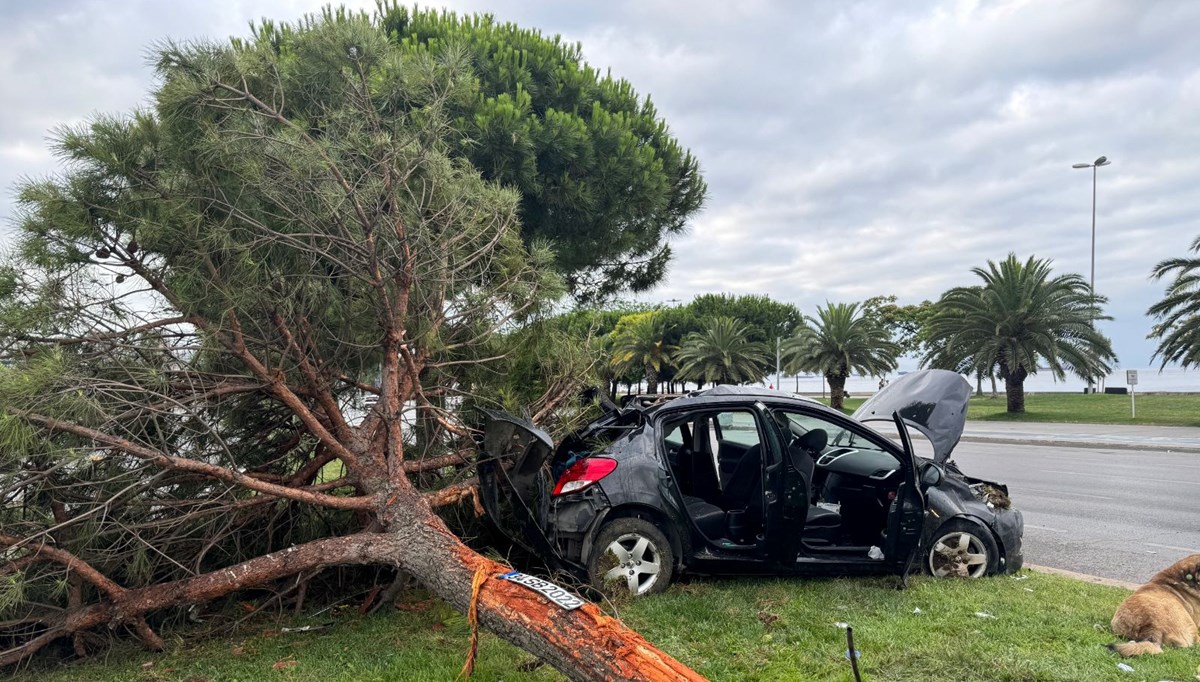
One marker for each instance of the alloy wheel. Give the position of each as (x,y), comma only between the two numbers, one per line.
(638,562)
(958,553)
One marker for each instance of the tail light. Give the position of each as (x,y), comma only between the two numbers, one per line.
(582,474)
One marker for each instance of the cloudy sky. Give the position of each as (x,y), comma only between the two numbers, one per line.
(851,149)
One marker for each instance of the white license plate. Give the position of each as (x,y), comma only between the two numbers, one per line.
(559,595)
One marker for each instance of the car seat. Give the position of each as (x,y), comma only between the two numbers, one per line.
(821,526)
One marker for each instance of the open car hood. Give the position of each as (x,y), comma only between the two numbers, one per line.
(932,401)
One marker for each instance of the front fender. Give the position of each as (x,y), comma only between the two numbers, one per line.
(953,498)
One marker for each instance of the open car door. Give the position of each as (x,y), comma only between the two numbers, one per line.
(514,485)
(906,517)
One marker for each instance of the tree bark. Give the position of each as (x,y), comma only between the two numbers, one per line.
(583,644)
(1014,387)
(651,379)
(837,390)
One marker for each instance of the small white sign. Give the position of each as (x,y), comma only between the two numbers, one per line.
(1131,377)
(559,595)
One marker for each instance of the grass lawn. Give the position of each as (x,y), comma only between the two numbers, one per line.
(1169,409)
(1041,628)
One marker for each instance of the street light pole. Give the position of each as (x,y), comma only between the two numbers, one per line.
(1102,161)
(778,346)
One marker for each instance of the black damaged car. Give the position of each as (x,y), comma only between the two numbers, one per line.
(744,480)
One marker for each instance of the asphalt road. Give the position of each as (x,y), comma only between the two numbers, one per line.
(1114,513)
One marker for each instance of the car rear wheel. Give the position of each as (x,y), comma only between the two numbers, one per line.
(631,556)
(961,549)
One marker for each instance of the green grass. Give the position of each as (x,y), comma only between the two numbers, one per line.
(1045,628)
(1156,408)
(1165,409)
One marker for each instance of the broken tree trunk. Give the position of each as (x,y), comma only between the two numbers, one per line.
(584,644)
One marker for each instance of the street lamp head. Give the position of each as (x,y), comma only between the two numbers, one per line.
(1102,161)
(1081,165)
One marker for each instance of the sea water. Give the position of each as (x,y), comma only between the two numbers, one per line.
(1150,380)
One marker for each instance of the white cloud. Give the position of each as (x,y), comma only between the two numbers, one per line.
(851,148)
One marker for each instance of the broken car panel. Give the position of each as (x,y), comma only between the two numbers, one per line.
(746,480)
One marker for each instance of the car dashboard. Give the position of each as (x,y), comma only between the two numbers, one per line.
(862,463)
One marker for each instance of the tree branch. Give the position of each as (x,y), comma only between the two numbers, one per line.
(183,464)
(130,605)
(70,561)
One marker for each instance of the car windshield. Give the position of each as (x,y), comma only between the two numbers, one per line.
(799,424)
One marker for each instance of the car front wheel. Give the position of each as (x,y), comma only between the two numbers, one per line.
(961,549)
(631,556)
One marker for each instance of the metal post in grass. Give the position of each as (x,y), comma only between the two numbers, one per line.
(852,654)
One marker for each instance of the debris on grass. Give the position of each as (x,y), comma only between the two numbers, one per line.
(767,618)
(1125,667)
(918,610)
(284,664)
(307,628)
(983,614)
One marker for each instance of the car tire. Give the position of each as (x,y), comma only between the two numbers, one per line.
(631,557)
(960,548)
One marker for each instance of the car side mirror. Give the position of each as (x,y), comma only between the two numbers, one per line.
(931,475)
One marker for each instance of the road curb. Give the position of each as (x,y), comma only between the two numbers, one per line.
(1094,579)
(1098,445)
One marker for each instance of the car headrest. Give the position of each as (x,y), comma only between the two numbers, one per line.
(814,440)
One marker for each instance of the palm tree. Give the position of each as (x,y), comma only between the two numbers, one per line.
(1178,313)
(838,341)
(940,355)
(722,354)
(1020,319)
(638,345)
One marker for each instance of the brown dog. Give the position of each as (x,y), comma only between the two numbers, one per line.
(1164,611)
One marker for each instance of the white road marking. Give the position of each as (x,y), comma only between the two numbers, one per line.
(1052,530)
(1189,550)
(1061,492)
(1110,477)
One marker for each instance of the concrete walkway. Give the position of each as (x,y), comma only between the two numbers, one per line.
(1096,436)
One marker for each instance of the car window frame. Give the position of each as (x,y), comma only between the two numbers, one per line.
(883,442)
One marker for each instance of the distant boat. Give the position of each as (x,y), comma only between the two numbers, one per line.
(901,373)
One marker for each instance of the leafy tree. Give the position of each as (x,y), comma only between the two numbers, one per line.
(765,319)
(678,323)
(721,354)
(908,324)
(1021,318)
(592,328)
(1178,313)
(600,175)
(218,302)
(838,341)
(638,346)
